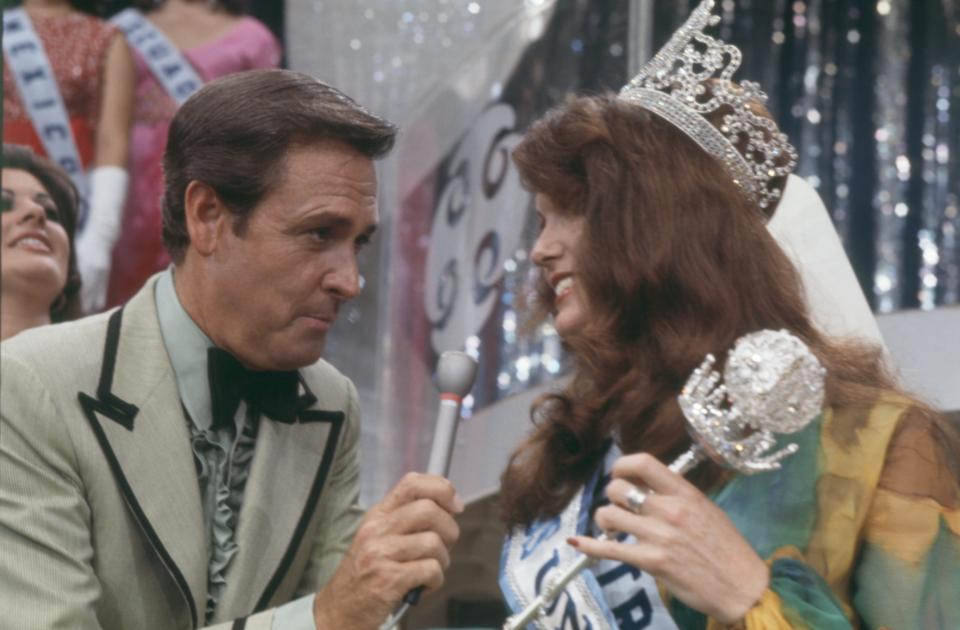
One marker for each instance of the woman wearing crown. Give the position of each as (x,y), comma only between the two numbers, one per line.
(668,231)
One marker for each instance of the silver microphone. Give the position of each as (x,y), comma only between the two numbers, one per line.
(456,373)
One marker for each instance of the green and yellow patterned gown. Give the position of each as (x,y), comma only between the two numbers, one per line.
(861,527)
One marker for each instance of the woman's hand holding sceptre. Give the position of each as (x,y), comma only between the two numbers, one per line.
(682,539)
(772,385)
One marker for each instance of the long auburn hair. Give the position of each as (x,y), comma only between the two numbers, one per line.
(675,262)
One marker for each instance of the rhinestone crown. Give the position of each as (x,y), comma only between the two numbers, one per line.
(691,77)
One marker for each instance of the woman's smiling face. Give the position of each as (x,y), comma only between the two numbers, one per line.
(553,253)
(35,250)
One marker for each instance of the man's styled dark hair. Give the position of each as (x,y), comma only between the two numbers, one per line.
(234,133)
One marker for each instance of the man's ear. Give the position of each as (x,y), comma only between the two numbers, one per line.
(206,216)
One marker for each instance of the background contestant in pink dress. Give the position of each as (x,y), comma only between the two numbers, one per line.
(217,39)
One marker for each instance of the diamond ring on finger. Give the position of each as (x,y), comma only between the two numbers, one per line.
(635,499)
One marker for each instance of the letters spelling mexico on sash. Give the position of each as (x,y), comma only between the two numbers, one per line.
(40,94)
(166,62)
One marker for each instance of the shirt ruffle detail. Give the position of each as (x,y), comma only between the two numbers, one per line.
(223,465)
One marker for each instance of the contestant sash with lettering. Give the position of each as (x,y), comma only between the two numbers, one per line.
(166,62)
(41,97)
(610,595)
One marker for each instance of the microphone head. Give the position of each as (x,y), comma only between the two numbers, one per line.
(456,372)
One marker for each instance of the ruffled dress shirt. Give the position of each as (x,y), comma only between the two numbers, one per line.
(222,456)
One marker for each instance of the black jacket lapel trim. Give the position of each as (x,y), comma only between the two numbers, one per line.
(107,403)
(335,418)
(320,415)
(89,406)
(307,400)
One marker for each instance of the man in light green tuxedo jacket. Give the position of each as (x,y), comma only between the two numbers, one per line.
(189,460)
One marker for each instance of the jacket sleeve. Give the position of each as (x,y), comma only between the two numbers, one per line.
(46,563)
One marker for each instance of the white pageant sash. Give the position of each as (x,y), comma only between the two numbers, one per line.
(610,595)
(165,60)
(41,97)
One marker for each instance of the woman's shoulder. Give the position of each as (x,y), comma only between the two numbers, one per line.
(905,439)
(923,458)
(252,28)
(879,414)
(251,25)
(260,42)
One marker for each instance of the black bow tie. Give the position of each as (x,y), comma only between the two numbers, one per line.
(272,393)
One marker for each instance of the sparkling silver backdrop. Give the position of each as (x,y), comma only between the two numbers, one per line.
(462,79)
(869,91)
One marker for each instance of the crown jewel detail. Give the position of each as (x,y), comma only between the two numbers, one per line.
(692,76)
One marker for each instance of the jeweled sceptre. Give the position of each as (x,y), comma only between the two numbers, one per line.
(772,384)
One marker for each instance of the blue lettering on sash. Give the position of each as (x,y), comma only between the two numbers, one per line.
(37,85)
(31,75)
(637,612)
(543,531)
(158,50)
(172,69)
(569,618)
(617,573)
(187,88)
(542,572)
(142,37)
(69,165)
(12,25)
(165,61)
(56,130)
(20,47)
(639,604)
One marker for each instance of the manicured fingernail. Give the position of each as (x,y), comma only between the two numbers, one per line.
(458,505)
(573,542)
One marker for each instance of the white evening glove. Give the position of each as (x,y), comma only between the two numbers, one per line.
(108,192)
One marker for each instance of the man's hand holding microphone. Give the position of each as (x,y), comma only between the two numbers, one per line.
(402,545)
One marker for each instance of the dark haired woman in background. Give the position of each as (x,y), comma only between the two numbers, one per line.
(654,251)
(93,73)
(40,282)
(215,39)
